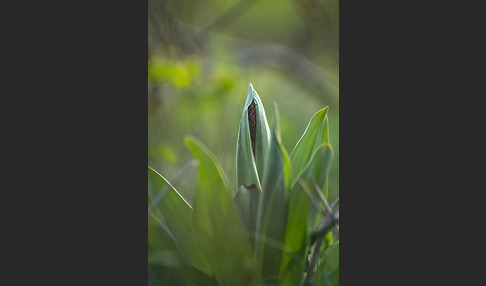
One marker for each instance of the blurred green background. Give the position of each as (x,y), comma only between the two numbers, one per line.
(202,55)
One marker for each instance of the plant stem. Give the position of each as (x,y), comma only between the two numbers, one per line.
(322,230)
(333,205)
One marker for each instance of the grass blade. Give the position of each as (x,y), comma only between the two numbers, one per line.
(175,216)
(220,233)
(316,133)
(317,159)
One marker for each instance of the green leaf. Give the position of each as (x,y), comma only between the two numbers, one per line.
(174,215)
(319,165)
(271,219)
(220,233)
(249,158)
(317,168)
(327,273)
(302,218)
(327,243)
(316,133)
(247,199)
(296,238)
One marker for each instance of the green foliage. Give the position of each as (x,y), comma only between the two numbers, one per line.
(316,133)
(272,209)
(328,270)
(306,162)
(216,222)
(173,215)
(261,235)
(249,164)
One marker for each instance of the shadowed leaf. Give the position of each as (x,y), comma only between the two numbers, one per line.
(247,199)
(220,233)
(174,215)
(327,273)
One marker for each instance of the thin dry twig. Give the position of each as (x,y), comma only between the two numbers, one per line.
(328,208)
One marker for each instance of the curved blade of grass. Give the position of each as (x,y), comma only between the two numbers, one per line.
(155,200)
(175,215)
(220,233)
(253,141)
(271,219)
(316,133)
